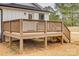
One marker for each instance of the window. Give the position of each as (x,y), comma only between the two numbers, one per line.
(41,16)
(24,13)
(30,16)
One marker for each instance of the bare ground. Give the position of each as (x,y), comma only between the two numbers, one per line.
(36,48)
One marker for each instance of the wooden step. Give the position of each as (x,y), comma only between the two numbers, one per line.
(64,38)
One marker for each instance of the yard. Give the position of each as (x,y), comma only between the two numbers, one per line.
(36,48)
(33,48)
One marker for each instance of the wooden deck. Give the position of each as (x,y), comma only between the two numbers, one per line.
(29,29)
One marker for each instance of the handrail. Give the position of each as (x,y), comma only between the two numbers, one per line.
(33,20)
(66,27)
(66,31)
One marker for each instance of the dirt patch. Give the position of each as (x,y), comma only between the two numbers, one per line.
(74,33)
(74,28)
(74,36)
(36,48)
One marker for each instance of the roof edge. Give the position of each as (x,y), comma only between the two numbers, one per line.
(22,7)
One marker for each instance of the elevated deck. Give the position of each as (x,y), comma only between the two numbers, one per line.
(29,29)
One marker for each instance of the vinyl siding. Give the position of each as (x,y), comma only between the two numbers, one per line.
(11,14)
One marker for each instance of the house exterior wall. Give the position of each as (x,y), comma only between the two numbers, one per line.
(15,13)
(0,23)
(10,14)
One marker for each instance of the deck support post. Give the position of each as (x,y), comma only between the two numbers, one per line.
(21,33)
(45,34)
(62,39)
(10,42)
(69,41)
(46,42)
(10,38)
(21,45)
(62,33)
(70,38)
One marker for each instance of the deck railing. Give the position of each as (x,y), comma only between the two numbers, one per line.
(25,25)
(33,26)
(66,31)
(54,26)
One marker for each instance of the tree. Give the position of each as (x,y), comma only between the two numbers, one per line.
(49,8)
(68,11)
(53,15)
